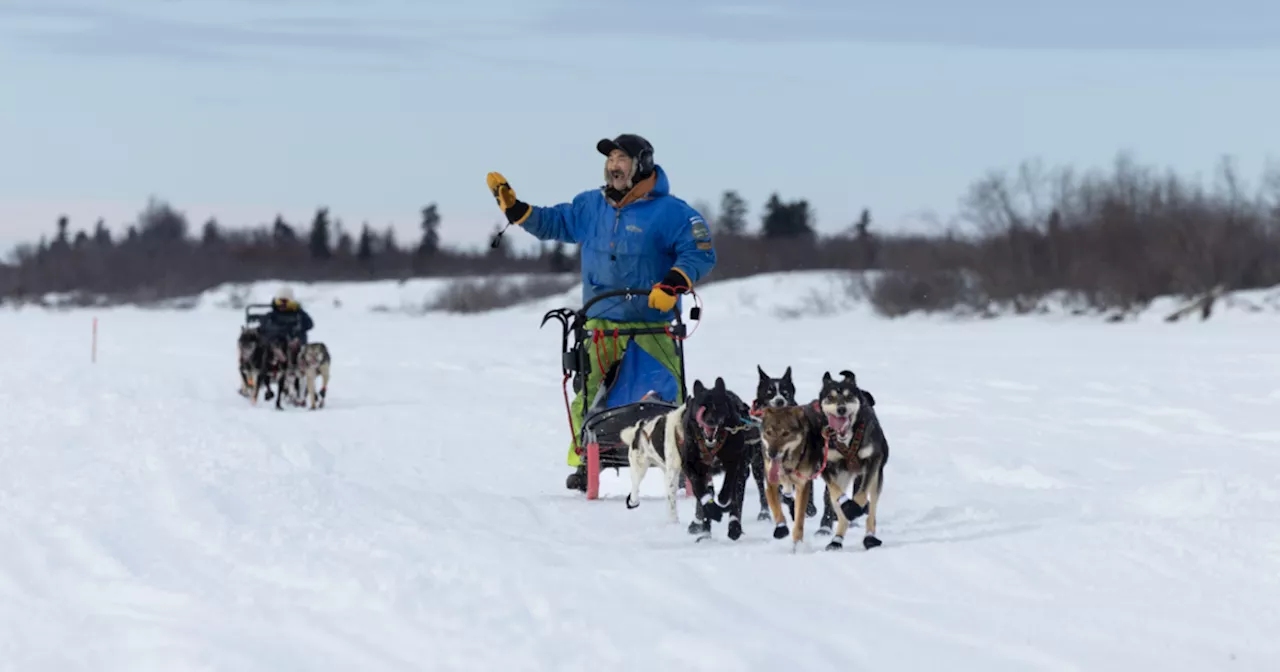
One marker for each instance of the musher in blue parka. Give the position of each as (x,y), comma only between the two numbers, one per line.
(632,232)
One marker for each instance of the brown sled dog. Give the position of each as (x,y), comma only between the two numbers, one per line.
(791,438)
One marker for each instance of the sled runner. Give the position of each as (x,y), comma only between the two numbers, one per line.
(635,387)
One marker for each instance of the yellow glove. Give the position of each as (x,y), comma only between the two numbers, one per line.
(516,210)
(660,299)
(663,295)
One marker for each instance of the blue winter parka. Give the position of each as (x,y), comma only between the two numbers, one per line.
(633,245)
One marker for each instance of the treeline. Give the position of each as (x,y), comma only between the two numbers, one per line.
(1111,239)
(1103,241)
(161,256)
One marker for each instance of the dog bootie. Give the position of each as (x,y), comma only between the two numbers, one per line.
(712,508)
(850,508)
(735,528)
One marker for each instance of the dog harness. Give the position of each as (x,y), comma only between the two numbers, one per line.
(709,454)
(848,452)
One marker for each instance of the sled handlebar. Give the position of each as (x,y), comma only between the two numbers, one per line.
(250,316)
(628,292)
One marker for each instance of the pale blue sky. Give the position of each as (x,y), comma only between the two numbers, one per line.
(245,108)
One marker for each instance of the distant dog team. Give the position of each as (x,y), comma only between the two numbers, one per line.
(290,365)
(838,438)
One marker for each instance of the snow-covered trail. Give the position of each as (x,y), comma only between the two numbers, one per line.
(1067,496)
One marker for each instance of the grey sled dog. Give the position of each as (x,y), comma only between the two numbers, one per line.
(313,363)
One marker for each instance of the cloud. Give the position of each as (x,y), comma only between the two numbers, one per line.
(1085,24)
(172,31)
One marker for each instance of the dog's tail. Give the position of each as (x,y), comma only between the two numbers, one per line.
(628,436)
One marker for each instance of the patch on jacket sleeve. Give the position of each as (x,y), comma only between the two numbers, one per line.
(704,245)
(700,230)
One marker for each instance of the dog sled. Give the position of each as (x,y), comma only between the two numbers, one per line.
(637,387)
(254,312)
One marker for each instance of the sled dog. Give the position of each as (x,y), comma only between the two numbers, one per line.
(709,429)
(654,442)
(776,393)
(313,362)
(856,450)
(272,363)
(247,346)
(792,442)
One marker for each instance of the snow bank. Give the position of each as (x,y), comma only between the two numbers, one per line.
(786,295)
(412,296)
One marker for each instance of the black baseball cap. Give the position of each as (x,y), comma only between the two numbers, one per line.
(630,144)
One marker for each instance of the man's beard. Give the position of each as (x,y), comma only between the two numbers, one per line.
(612,177)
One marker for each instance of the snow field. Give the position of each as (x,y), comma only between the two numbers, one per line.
(1061,495)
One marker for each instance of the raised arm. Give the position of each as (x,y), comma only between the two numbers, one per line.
(556,222)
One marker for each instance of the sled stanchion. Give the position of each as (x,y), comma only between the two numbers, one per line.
(93,343)
(593,470)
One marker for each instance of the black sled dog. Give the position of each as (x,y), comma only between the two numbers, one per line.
(857,451)
(708,430)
